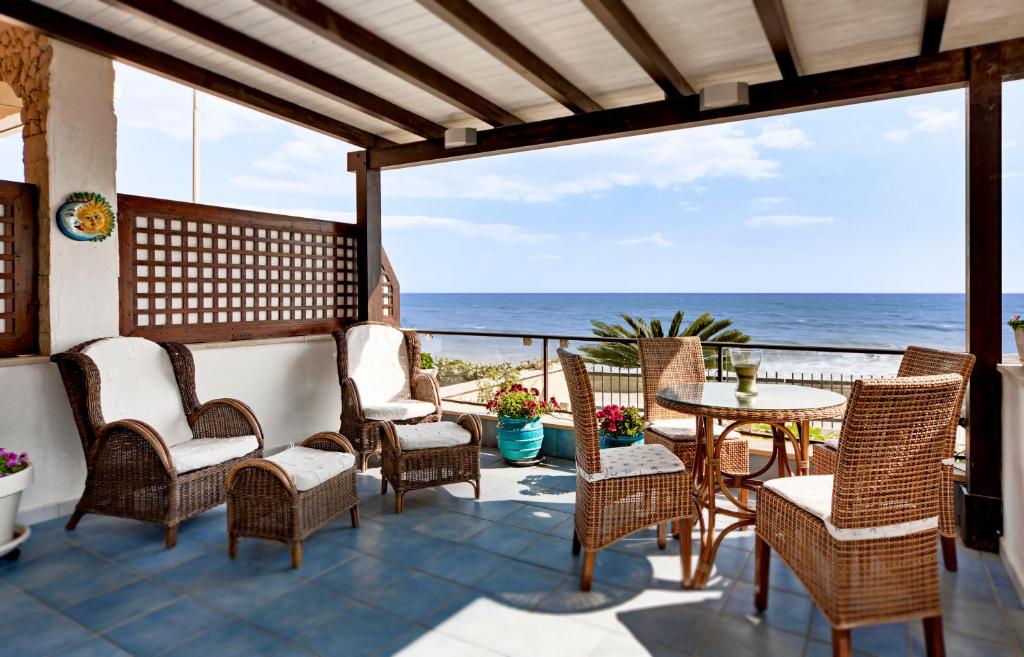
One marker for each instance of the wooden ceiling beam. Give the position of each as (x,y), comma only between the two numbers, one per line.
(484,32)
(339,30)
(934,22)
(83,35)
(780,37)
(627,30)
(218,36)
(944,70)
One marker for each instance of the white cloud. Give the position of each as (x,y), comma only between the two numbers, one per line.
(897,134)
(787,220)
(930,118)
(779,134)
(654,239)
(689,206)
(769,201)
(546,256)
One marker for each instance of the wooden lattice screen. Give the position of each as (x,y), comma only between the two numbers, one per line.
(18,302)
(198,273)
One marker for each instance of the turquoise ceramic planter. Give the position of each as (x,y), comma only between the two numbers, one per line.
(519,439)
(620,441)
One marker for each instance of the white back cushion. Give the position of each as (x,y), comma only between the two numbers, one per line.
(379,363)
(137,383)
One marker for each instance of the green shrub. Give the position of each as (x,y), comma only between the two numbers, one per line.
(426,361)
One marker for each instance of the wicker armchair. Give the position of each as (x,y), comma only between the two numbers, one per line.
(863,540)
(427,455)
(379,370)
(152,451)
(919,361)
(624,489)
(669,362)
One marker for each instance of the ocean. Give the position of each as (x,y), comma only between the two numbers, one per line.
(861,320)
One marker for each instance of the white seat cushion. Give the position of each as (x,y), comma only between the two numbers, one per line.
(137,383)
(813,493)
(398,410)
(431,435)
(832,443)
(633,461)
(378,361)
(308,467)
(204,452)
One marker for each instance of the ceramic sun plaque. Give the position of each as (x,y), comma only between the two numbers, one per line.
(86,217)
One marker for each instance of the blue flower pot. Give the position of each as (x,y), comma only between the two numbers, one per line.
(520,440)
(608,440)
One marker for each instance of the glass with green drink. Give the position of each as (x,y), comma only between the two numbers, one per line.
(745,362)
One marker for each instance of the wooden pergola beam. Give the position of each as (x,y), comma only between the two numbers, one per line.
(903,77)
(934,22)
(627,30)
(343,32)
(780,37)
(83,35)
(479,28)
(218,36)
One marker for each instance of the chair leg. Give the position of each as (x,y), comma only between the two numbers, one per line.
(73,520)
(232,546)
(676,531)
(476,488)
(587,576)
(399,499)
(662,542)
(685,549)
(841,645)
(296,554)
(935,645)
(383,484)
(949,552)
(354,512)
(171,538)
(575,543)
(366,461)
(762,566)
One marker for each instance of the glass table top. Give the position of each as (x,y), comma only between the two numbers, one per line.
(769,397)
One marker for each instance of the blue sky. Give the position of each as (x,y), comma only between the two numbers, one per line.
(866,198)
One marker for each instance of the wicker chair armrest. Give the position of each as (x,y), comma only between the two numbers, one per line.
(225,418)
(142,445)
(262,471)
(425,388)
(351,403)
(329,441)
(390,436)
(471,423)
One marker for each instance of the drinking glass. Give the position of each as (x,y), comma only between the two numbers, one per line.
(745,362)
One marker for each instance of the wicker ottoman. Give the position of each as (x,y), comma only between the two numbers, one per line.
(417,456)
(288,496)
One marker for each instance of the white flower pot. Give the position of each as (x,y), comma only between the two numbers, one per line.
(10,496)
(1019,335)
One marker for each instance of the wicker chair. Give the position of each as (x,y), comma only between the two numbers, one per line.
(427,455)
(919,361)
(152,451)
(624,489)
(863,540)
(379,369)
(672,361)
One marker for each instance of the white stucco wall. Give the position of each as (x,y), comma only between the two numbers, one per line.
(1012,545)
(292,386)
(81,137)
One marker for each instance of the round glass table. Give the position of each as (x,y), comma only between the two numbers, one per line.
(774,405)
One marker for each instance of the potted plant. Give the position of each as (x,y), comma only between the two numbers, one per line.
(15,476)
(1017,324)
(621,426)
(520,433)
(427,364)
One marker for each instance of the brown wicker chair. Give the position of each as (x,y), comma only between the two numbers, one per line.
(669,362)
(379,370)
(428,455)
(863,541)
(620,490)
(268,499)
(140,464)
(920,361)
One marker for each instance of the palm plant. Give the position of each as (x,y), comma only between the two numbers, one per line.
(624,354)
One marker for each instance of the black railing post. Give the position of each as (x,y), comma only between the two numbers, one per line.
(545,371)
(721,362)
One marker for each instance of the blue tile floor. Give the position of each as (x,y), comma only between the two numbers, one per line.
(451,576)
